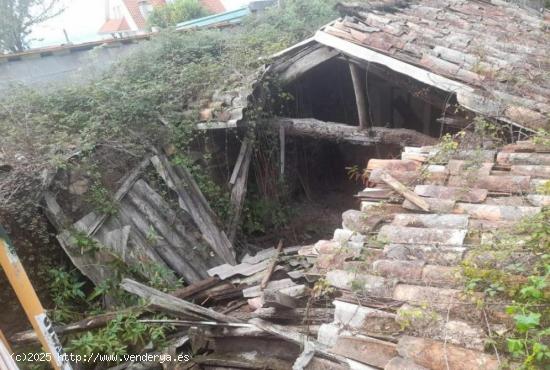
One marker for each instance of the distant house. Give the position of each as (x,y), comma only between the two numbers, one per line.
(129,17)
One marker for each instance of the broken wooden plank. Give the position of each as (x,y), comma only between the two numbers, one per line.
(239,180)
(305,315)
(403,190)
(271,266)
(181,181)
(89,323)
(196,287)
(171,304)
(469,195)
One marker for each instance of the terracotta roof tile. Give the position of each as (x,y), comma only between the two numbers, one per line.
(114,25)
(213,6)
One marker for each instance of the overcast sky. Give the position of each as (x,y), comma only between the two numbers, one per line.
(82,19)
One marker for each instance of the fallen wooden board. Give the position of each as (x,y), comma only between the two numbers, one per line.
(171,304)
(403,190)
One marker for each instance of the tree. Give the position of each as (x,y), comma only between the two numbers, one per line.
(176,12)
(17,18)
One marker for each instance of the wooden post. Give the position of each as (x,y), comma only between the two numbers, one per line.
(360,95)
(282,151)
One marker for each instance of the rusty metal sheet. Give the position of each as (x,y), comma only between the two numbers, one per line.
(448,221)
(417,235)
(452,193)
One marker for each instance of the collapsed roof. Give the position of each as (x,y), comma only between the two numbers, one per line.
(493,56)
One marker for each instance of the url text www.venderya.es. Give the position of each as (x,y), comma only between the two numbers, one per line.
(101,357)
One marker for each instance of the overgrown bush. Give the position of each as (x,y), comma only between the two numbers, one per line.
(176,12)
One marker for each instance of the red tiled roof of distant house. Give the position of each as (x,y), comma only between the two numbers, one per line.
(213,6)
(114,25)
(135,12)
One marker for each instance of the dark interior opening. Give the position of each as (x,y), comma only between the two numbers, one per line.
(394,100)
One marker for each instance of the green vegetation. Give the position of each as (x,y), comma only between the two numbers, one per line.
(150,99)
(176,12)
(523,281)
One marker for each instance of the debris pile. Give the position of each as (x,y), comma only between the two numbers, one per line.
(385,292)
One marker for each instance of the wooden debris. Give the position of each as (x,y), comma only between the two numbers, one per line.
(271,266)
(196,287)
(402,189)
(311,315)
(171,304)
(89,323)
(238,181)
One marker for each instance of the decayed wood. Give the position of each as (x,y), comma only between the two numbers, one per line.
(54,212)
(311,127)
(169,303)
(179,180)
(29,336)
(238,191)
(271,266)
(312,315)
(196,287)
(359,87)
(403,190)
